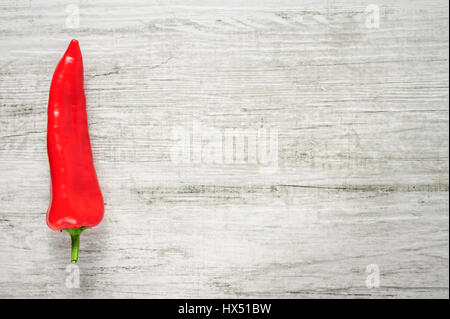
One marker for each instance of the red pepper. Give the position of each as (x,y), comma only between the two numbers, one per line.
(76,199)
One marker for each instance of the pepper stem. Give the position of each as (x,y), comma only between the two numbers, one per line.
(75,235)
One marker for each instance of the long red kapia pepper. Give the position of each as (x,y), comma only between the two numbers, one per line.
(76,199)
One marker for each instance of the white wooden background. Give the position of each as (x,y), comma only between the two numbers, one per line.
(361,116)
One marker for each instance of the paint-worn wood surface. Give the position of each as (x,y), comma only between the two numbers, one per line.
(358,174)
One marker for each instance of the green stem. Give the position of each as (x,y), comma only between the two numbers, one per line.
(75,235)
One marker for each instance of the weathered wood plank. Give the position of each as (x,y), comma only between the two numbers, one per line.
(358,175)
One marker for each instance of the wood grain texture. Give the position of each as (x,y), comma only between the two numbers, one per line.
(361,118)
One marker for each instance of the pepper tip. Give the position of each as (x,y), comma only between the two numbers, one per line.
(74,44)
(73,50)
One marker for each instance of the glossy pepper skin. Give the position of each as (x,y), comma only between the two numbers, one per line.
(76,198)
